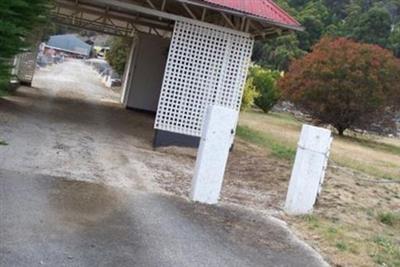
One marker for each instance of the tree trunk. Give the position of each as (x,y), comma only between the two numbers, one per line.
(340,130)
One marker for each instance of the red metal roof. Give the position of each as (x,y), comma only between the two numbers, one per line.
(265,9)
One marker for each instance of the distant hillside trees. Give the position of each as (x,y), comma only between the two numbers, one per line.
(368,21)
(344,83)
(19,22)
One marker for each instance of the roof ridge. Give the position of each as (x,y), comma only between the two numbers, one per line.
(272,2)
(267,10)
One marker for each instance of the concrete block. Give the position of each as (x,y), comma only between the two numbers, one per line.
(218,129)
(309,169)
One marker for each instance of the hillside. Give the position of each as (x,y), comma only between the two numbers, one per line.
(367,21)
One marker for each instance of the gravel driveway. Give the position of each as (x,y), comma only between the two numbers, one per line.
(78,187)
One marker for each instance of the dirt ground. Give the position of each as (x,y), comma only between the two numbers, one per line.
(60,134)
(71,146)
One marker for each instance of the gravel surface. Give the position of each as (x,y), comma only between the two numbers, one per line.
(81,185)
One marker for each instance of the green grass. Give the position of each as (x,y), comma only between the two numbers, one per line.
(283,119)
(392,149)
(312,221)
(274,145)
(341,245)
(365,168)
(389,218)
(387,253)
(286,117)
(284,146)
(382,248)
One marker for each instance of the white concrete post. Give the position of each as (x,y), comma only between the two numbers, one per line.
(216,140)
(309,169)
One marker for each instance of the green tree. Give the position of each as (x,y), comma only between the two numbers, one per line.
(344,83)
(314,17)
(264,80)
(118,53)
(373,26)
(394,40)
(19,27)
(367,21)
(278,53)
(337,8)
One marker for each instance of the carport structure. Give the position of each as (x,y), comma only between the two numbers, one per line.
(187,54)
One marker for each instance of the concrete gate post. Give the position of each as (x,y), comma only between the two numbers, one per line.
(309,169)
(216,140)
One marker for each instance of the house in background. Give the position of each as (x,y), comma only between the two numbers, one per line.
(69,45)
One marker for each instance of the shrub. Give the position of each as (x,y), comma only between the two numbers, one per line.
(265,81)
(249,94)
(389,218)
(118,53)
(344,83)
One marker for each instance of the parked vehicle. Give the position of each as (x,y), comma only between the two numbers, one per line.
(108,76)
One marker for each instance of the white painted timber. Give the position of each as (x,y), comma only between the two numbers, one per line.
(216,140)
(309,169)
(148,69)
(128,74)
(206,66)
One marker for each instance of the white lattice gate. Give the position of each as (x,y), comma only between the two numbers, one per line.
(205,66)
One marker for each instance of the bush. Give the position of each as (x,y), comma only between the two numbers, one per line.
(20,24)
(344,83)
(265,81)
(249,94)
(118,53)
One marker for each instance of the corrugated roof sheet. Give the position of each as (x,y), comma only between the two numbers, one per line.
(71,43)
(265,9)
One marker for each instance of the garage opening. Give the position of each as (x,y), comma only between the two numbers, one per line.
(146,71)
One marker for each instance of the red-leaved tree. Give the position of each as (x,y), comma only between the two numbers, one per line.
(344,83)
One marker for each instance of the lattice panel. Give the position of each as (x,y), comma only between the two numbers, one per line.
(205,66)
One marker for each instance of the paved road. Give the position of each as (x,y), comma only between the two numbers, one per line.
(48,221)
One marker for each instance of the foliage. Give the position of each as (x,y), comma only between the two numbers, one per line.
(389,218)
(373,26)
(277,53)
(370,21)
(394,40)
(265,81)
(118,53)
(344,83)
(249,94)
(19,21)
